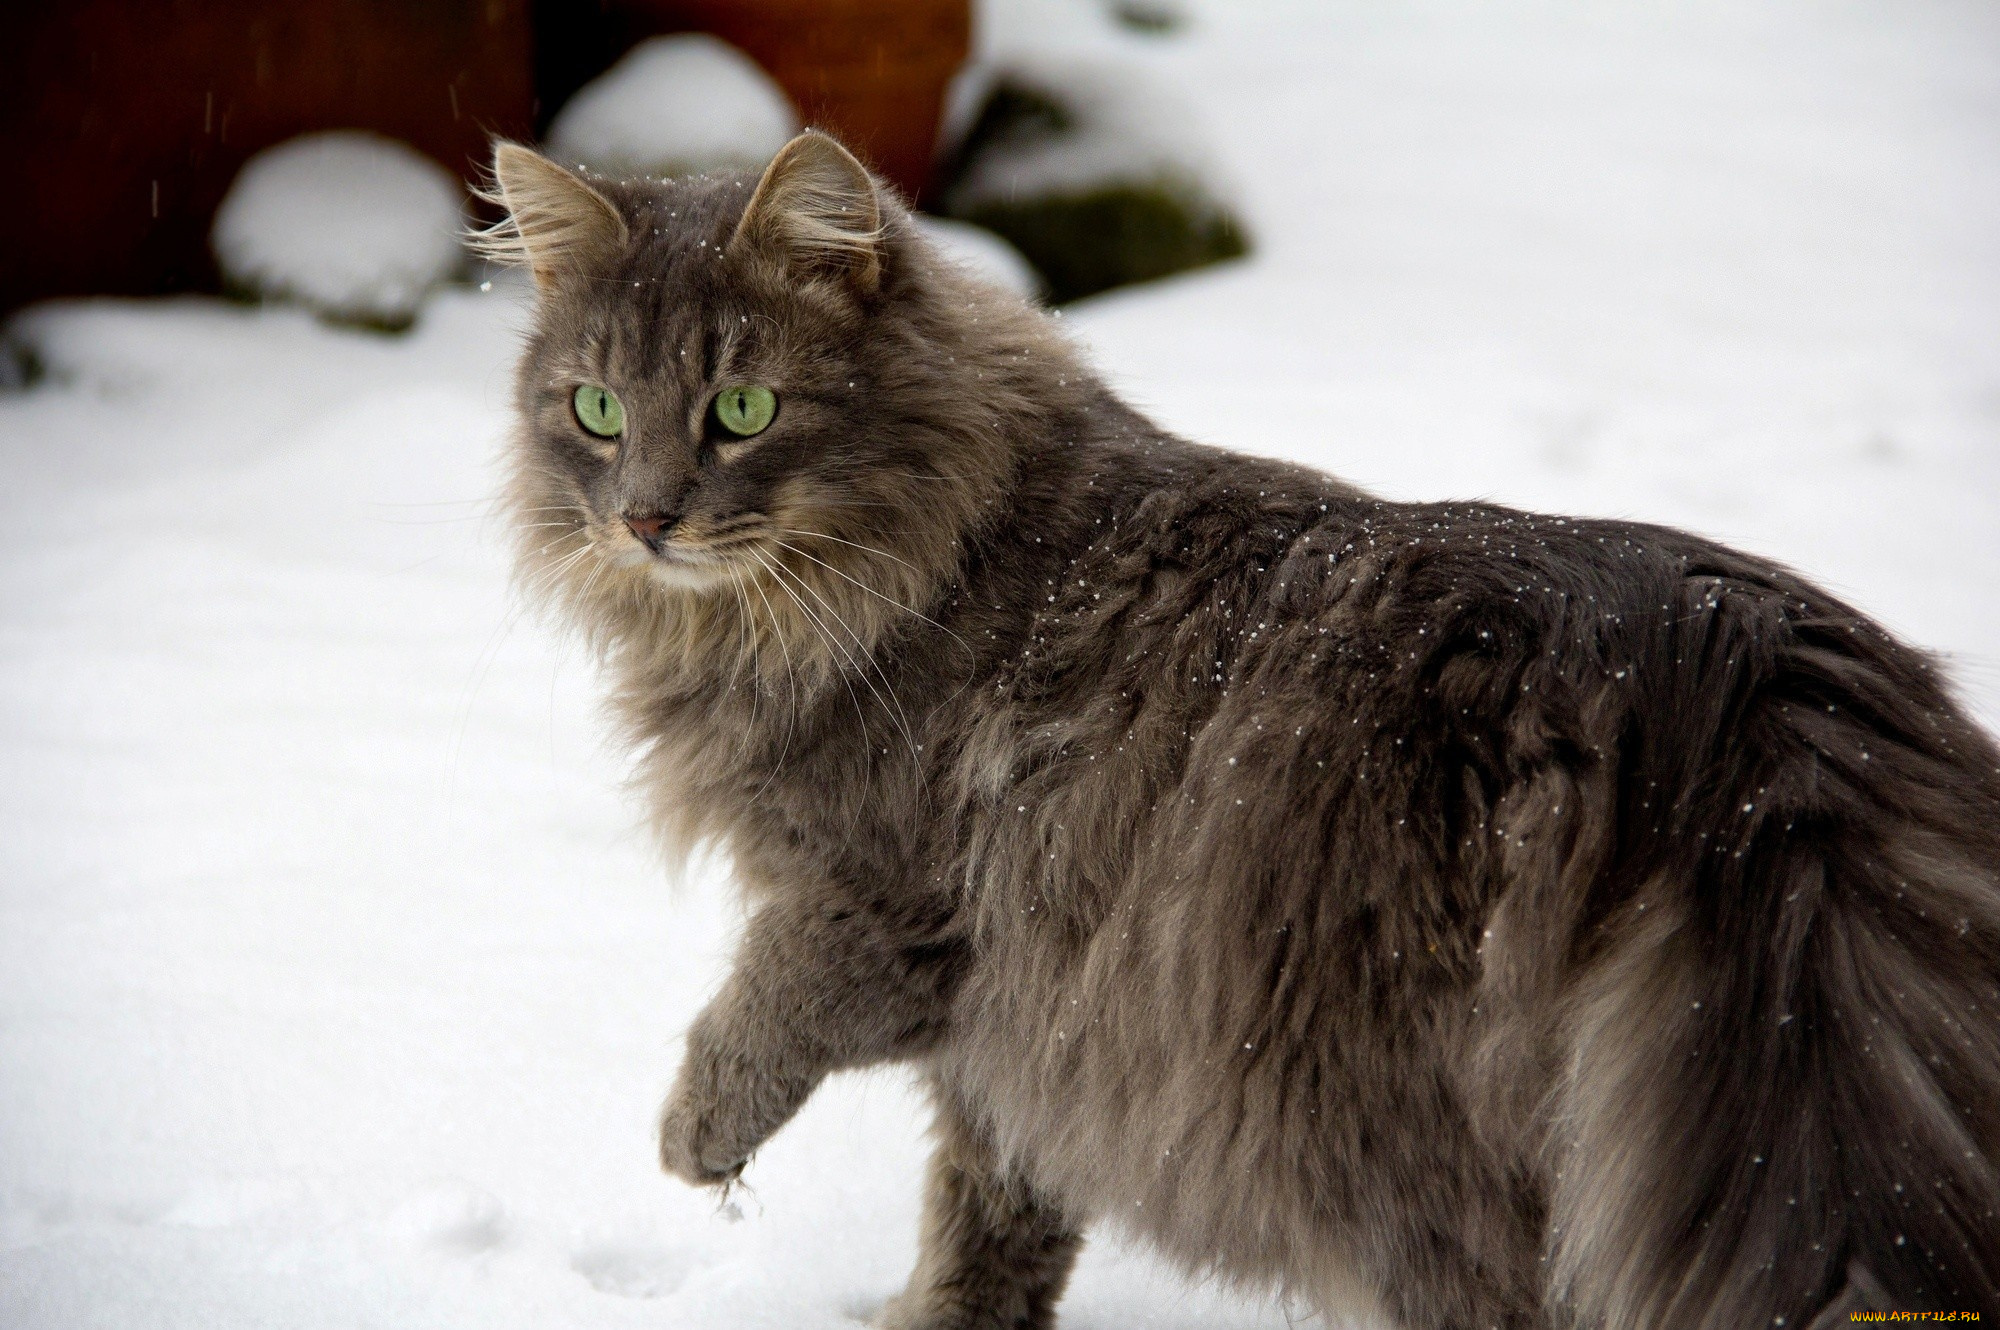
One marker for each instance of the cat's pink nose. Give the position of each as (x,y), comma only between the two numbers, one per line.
(648,527)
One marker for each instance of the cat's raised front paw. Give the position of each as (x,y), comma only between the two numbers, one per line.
(691,1150)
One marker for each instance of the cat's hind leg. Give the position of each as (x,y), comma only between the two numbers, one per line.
(993,1256)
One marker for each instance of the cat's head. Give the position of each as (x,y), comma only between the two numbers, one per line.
(742,385)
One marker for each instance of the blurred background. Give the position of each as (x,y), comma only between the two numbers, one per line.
(133,122)
(338,982)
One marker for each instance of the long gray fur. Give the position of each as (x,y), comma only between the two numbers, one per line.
(1432,911)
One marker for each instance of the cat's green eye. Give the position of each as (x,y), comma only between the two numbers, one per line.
(746,409)
(599,411)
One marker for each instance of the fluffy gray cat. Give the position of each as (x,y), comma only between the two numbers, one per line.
(1439,913)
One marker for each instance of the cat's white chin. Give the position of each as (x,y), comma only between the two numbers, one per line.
(680,573)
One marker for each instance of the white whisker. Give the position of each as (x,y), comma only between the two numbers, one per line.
(888,701)
(826,635)
(869,549)
(877,594)
(791,678)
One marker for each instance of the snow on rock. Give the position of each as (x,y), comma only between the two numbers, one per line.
(1007,27)
(1107,122)
(675,105)
(979,250)
(1092,167)
(348,223)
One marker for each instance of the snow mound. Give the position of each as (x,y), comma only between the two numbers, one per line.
(1068,124)
(1003,28)
(981,252)
(354,225)
(1091,167)
(675,105)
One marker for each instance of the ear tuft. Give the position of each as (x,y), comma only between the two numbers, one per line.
(555,221)
(820,209)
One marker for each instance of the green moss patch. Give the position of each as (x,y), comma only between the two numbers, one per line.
(1094,240)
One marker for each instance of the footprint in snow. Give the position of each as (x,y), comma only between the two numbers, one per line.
(628,1271)
(232,1203)
(451,1215)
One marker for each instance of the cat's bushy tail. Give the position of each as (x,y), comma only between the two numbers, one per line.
(1781,1097)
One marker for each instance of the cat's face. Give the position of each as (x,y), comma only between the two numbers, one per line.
(716,382)
(698,412)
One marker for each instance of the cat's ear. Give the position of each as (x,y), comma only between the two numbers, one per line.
(818,210)
(556,223)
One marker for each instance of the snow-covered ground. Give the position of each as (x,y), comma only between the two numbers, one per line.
(337,986)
